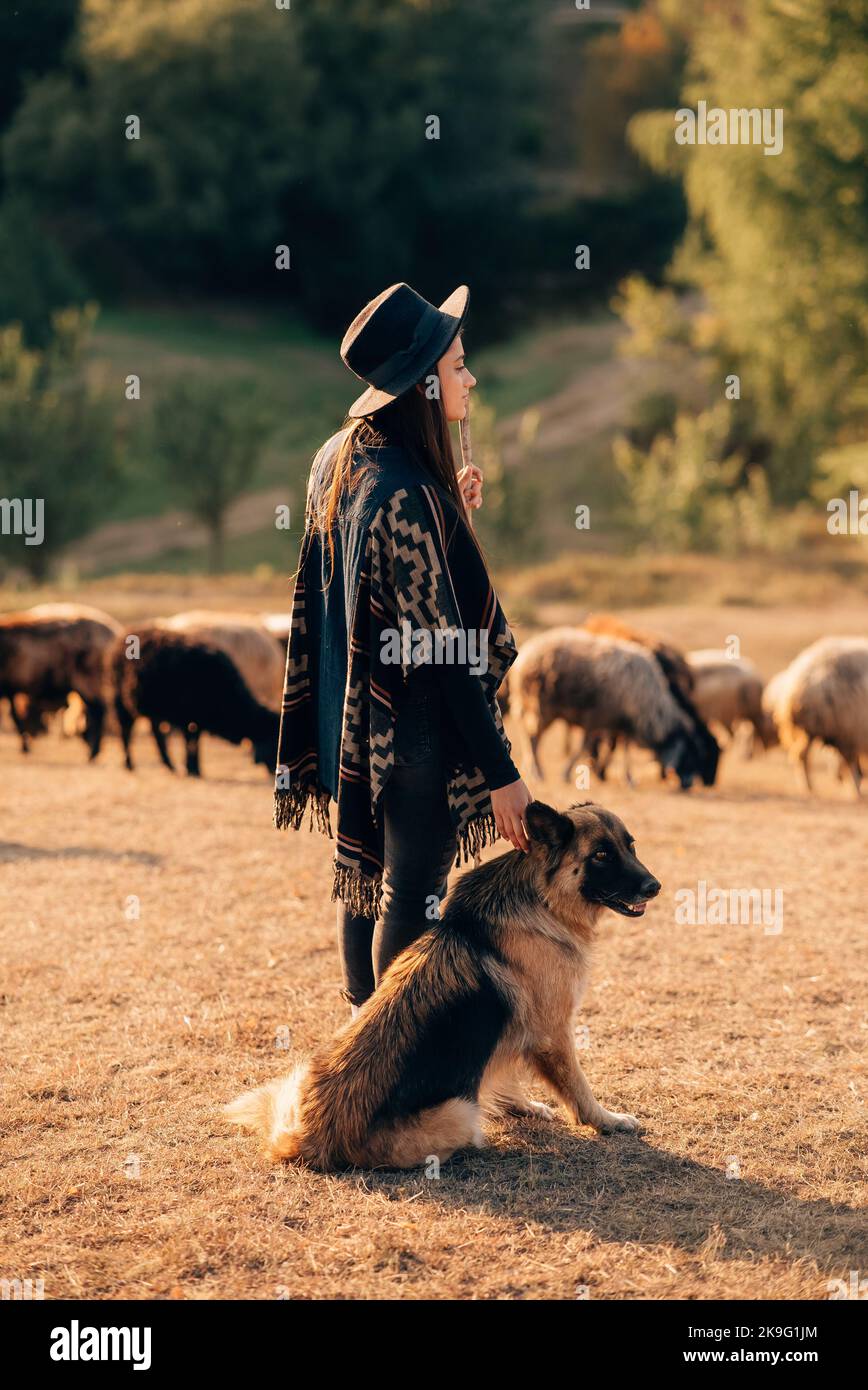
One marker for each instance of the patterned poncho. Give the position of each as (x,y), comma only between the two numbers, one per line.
(402,566)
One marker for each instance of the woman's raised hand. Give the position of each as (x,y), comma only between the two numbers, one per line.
(470,482)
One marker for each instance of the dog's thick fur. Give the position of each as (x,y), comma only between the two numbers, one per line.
(491,989)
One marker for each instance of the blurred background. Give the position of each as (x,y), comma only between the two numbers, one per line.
(199,195)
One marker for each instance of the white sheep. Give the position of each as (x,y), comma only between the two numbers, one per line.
(822,696)
(728,691)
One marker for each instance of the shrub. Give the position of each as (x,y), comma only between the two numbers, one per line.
(687,492)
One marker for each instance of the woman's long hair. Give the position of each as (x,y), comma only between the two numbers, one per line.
(413,421)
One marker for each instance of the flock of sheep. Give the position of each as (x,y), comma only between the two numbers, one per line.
(222,673)
(620,685)
(196,672)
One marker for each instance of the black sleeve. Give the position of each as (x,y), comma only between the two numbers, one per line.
(465,699)
(463,693)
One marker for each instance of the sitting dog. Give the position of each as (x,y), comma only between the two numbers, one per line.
(492,987)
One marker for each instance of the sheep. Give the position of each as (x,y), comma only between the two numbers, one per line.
(679,678)
(822,696)
(48,652)
(279,625)
(609,687)
(73,714)
(246,641)
(673,663)
(728,691)
(173,678)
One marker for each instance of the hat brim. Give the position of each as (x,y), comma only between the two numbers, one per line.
(455,310)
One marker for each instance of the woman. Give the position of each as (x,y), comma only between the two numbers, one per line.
(398,644)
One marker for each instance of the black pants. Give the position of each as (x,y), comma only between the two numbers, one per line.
(419,846)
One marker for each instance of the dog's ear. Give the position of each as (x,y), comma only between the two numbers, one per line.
(547,827)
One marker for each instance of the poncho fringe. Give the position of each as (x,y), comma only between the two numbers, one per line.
(290,804)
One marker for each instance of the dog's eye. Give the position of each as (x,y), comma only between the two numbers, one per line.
(602,855)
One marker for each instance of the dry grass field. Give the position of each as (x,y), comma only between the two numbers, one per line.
(163,947)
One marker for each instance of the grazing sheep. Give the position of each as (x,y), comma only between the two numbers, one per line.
(770,696)
(244,639)
(673,663)
(679,678)
(822,697)
(73,611)
(176,679)
(729,691)
(610,688)
(48,652)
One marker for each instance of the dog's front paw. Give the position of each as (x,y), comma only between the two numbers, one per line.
(610,1122)
(537,1107)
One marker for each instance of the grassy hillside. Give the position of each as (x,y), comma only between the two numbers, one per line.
(297,374)
(567,375)
(560,392)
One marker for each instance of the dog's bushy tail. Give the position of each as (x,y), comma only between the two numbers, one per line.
(273,1112)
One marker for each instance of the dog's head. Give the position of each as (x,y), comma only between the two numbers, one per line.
(585,861)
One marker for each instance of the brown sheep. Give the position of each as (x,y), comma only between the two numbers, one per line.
(48,652)
(610,688)
(243,638)
(673,663)
(677,672)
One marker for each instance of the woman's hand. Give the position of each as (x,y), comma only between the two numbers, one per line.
(470,482)
(508,804)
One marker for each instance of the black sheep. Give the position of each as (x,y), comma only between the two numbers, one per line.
(170,678)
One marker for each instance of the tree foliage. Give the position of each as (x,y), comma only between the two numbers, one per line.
(303,127)
(57,438)
(688,492)
(208,438)
(35,274)
(778,244)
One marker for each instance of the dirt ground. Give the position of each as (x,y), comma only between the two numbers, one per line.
(164,947)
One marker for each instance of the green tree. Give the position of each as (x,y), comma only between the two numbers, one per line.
(208,438)
(32,40)
(57,439)
(688,492)
(778,244)
(216,86)
(305,127)
(36,277)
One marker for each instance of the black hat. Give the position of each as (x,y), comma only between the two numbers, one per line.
(396,339)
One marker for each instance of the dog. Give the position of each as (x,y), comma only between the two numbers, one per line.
(491,989)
